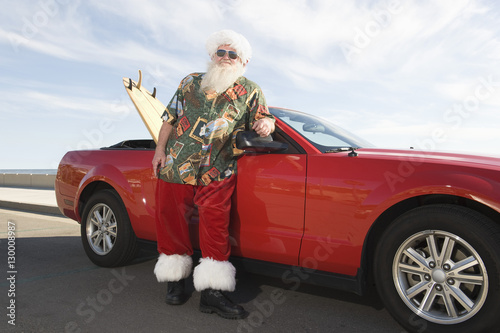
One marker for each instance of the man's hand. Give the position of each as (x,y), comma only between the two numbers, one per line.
(160,156)
(159,160)
(263,127)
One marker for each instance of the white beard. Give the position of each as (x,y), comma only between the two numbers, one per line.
(221,77)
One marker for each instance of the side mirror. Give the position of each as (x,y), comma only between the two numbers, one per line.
(250,141)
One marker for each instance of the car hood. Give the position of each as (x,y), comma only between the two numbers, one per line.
(488,162)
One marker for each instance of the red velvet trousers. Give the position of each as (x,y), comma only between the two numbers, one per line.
(175,204)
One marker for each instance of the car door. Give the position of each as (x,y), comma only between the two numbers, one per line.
(268,205)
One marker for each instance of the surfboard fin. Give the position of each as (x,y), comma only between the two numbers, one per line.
(130,83)
(140,80)
(154,92)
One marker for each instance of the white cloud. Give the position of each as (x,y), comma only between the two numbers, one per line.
(415,41)
(71,36)
(301,39)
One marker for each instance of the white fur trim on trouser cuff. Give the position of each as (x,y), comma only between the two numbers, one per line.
(173,267)
(213,274)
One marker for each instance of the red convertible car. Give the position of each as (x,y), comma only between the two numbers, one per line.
(423,227)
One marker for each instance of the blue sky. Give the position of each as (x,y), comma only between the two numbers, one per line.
(400,74)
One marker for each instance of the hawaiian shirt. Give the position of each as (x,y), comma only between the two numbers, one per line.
(201,147)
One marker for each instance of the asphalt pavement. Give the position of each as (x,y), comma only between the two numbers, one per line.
(51,286)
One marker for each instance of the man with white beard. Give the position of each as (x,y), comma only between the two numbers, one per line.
(196,162)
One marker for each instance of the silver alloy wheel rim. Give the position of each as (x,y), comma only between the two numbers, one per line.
(440,277)
(101,229)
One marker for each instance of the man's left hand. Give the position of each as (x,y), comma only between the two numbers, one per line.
(263,127)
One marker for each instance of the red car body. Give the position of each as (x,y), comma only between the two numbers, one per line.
(322,211)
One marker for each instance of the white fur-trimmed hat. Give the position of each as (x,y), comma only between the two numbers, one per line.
(231,38)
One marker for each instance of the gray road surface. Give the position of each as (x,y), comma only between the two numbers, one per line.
(53,287)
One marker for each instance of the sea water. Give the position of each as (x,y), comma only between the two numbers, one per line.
(29,171)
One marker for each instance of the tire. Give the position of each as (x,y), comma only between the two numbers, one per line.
(106,233)
(422,287)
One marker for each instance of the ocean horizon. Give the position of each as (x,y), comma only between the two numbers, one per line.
(29,171)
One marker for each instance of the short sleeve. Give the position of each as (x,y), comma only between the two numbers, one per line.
(257,105)
(175,108)
(171,111)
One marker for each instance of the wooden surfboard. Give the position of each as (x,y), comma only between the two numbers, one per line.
(149,107)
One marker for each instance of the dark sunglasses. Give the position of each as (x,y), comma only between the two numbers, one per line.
(221,53)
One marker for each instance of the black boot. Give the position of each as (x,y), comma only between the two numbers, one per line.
(215,301)
(175,293)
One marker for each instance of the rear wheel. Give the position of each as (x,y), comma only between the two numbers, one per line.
(107,236)
(437,270)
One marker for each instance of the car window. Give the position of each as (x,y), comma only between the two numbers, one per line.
(293,147)
(322,134)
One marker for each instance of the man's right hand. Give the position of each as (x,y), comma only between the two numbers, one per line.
(159,160)
(160,156)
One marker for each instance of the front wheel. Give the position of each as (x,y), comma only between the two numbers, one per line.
(107,236)
(437,269)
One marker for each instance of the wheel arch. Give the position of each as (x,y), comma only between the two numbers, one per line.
(90,190)
(102,177)
(393,212)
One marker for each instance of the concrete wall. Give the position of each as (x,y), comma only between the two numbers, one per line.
(27,180)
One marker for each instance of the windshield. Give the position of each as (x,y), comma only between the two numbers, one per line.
(324,135)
